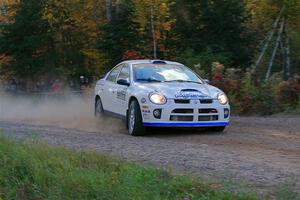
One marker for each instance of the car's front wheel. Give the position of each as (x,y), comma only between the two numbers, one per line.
(98,108)
(135,120)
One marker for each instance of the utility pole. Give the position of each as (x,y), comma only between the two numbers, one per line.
(287,53)
(269,38)
(275,49)
(153,35)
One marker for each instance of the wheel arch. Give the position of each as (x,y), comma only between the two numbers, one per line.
(139,129)
(96,98)
(132,98)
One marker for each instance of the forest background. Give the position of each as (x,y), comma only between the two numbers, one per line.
(248,48)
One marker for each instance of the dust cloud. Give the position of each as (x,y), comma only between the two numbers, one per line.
(69,111)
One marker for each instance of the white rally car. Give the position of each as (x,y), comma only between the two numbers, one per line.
(160,93)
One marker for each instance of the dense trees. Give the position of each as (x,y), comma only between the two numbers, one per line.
(155,23)
(72,38)
(73,26)
(119,33)
(27,41)
(217,28)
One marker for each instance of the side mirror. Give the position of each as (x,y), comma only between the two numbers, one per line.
(206,81)
(123,82)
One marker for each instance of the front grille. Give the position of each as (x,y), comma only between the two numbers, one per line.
(183,111)
(181,118)
(208,110)
(187,101)
(208,118)
(182,101)
(206,101)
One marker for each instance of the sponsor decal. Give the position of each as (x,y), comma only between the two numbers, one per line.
(121,94)
(195,101)
(191,95)
(146,111)
(146,116)
(145,107)
(143,100)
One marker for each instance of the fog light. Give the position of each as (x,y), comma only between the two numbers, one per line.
(157,113)
(226,113)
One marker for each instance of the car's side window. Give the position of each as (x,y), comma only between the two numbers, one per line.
(124,74)
(114,74)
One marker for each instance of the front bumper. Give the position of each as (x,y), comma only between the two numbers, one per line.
(191,114)
(186,124)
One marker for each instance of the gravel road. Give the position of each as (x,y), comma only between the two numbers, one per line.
(258,152)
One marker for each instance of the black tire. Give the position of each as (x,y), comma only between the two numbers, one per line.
(216,128)
(127,114)
(98,108)
(135,120)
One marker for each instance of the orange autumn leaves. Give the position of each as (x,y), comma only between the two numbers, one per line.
(159,11)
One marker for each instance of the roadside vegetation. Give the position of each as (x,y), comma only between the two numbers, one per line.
(38,171)
(250,96)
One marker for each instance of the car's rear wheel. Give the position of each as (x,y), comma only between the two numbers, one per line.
(216,128)
(135,120)
(98,108)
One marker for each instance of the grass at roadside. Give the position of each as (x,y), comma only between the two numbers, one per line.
(37,171)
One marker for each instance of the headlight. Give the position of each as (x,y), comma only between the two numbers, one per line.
(157,98)
(222,98)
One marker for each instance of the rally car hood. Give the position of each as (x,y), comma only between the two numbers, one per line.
(178,90)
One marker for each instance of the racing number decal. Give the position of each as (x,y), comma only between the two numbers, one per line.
(121,94)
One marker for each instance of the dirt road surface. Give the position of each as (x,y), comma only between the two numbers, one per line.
(259,152)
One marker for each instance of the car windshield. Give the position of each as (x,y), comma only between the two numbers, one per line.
(164,73)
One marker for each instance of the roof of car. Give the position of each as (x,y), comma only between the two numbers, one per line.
(150,62)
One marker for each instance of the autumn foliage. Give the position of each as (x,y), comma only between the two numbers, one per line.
(69,39)
(248,96)
(132,55)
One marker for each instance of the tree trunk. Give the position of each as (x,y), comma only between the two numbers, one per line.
(3,9)
(107,10)
(275,49)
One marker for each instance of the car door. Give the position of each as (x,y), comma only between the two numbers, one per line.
(110,90)
(122,90)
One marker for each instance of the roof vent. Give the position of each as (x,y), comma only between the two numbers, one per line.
(159,62)
(189,90)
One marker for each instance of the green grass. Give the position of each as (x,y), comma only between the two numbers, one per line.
(37,171)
